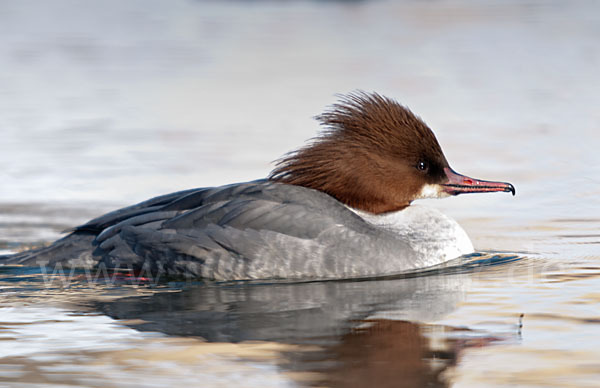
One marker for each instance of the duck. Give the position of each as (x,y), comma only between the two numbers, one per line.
(340,207)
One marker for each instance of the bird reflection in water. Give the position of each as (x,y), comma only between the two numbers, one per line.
(388,353)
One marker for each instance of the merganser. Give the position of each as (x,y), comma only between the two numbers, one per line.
(338,208)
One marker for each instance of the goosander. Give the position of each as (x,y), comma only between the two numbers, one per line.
(338,208)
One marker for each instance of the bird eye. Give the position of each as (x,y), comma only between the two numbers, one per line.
(422,166)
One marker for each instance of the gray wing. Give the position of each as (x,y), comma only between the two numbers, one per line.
(266,230)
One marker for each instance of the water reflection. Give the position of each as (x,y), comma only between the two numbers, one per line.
(337,333)
(291,313)
(368,332)
(399,354)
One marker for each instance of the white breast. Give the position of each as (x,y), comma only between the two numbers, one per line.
(432,234)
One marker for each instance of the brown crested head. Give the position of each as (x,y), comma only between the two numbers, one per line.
(374,155)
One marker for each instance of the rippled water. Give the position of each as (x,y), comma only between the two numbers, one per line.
(106,104)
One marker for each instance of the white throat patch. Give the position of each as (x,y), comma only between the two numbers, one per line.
(432,191)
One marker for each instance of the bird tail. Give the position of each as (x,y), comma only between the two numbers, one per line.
(74,250)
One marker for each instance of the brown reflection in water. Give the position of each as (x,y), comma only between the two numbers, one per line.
(388,353)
